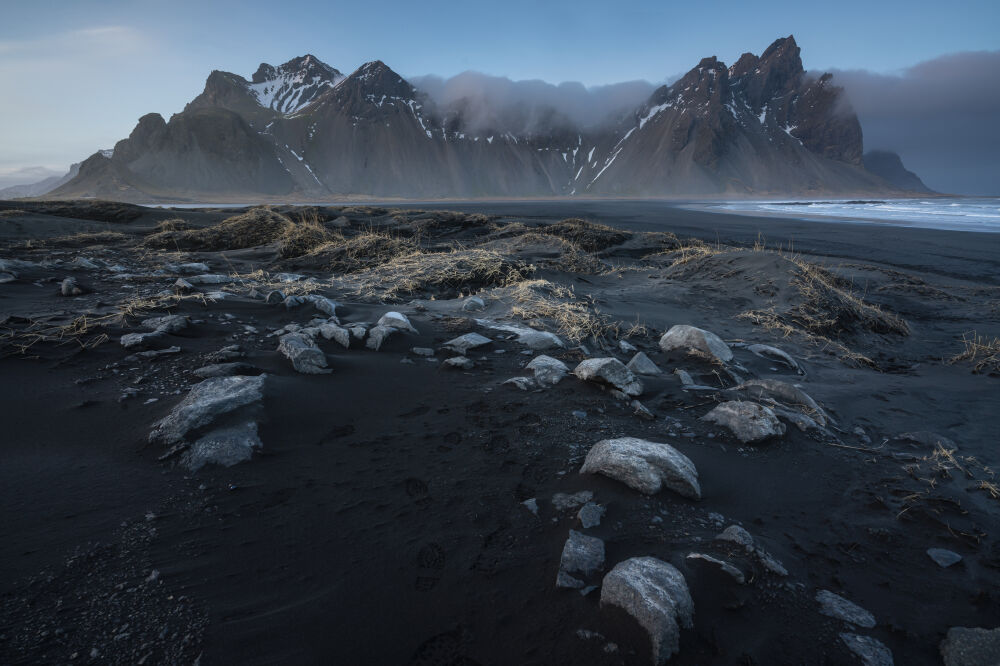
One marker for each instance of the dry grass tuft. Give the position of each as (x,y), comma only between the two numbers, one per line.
(304,235)
(588,236)
(361,252)
(549,251)
(173,224)
(88,238)
(685,252)
(981,352)
(574,318)
(257,226)
(438,274)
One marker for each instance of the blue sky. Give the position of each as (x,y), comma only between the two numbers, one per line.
(76,75)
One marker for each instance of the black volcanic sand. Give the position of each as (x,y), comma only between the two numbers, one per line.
(383,521)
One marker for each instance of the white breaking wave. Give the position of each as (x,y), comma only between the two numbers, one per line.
(952,213)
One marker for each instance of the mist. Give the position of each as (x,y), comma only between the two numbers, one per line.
(524,107)
(942,116)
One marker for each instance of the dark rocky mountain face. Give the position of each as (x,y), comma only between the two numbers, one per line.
(889,166)
(302,129)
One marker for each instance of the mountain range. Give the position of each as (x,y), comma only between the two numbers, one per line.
(306,131)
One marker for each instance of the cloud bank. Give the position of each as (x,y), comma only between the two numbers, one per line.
(942,116)
(524,107)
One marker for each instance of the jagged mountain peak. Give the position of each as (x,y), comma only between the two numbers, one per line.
(293,85)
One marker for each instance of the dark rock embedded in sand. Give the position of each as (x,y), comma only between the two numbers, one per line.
(657,596)
(590,514)
(223,446)
(783,392)
(581,554)
(305,356)
(463,343)
(564,501)
(836,606)
(225,370)
(944,558)
(337,333)
(69,287)
(871,651)
(722,565)
(748,421)
(204,404)
(738,535)
(643,365)
(683,336)
(548,371)
(775,354)
(132,341)
(609,371)
(644,466)
(966,646)
(166,323)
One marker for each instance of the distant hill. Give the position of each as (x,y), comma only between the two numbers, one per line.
(890,167)
(303,130)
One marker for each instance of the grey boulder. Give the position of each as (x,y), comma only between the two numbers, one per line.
(396,320)
(378,335)
(548,371)
(225,370)
(204,404)
(683,336)
(644,466)
(657,596)
(166,323)
(609,371)
(305,356)
(944,558)
(748,421)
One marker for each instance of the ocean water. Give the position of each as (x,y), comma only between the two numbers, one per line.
(951,213)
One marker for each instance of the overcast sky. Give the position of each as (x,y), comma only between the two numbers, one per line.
(76,75)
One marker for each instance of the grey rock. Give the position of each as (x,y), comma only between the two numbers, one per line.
(474,304)
(548,371)
(836,606)
(460,362)
(210,278)
(183,285)
(206,402)
(609,371)
(463,343)
(748,421)
(223,446)
(736,534)
(339,334)
(871,651)
(540,340)
(378,335)
(288,277)
(83,262)
(291,302)
(641,411)
(132,341)
(644,466)
(590,514)
(581,554)
(684,376)
(531,505)
(274,297)
(724,566)
(626,347)
(153,354)
(225,370)
(657,596)
(944,558)
(166,323)
(564,501)
(683,336)
(69,287)
(396,320)
(791,395)
(643,365)
(965,646)
(305,356)
(7,277)
(775,354)
(357,332)
(523,383)
(324,304)
(191,268)
(423,351)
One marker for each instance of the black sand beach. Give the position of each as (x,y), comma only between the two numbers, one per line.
(384,519)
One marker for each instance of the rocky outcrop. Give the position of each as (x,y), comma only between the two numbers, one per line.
(889,166)
(205,404)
